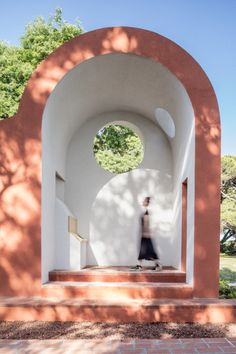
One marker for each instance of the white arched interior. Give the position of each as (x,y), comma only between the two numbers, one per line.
(108,88)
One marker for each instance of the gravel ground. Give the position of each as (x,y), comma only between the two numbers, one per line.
(87,330)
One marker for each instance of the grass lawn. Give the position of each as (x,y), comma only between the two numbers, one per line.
(228,268)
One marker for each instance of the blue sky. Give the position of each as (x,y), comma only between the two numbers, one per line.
(205,28)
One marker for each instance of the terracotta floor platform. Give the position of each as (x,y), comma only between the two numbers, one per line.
(45,309)
(118,283)
(136,346)
(119,274)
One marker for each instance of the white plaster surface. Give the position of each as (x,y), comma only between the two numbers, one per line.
(98,218)
(165,121)
(78,254)
(115,219)
(70,253)
(105,85)
(62,239)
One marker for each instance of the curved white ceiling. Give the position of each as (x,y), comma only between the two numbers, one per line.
(113,82)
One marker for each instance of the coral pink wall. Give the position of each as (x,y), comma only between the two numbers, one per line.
(20,157)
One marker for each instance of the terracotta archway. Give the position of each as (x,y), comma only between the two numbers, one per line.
(20,156)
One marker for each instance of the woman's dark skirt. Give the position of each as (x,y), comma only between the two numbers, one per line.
(146,250)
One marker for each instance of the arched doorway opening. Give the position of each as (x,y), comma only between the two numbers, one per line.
(107,205)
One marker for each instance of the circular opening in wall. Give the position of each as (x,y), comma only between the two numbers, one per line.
(117,148)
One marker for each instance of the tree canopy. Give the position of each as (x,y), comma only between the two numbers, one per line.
(40,38)
(228,205)
(117,149)
(228,193)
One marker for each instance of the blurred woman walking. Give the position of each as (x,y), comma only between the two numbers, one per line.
(146,246)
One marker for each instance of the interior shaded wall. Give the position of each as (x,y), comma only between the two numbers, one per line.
(108,206)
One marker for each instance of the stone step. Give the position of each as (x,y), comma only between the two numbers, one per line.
(121,275)
(119,290)
(117,311)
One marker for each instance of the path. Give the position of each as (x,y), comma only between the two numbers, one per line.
(137,346)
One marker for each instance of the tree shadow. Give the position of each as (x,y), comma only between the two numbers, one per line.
(100,331)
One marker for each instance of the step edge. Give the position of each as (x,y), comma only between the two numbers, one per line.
(129,303)
(116,284)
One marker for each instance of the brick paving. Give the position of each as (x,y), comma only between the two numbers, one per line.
(135,346)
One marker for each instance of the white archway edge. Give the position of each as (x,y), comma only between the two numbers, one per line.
(165,121)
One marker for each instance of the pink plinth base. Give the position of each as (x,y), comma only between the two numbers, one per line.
(199,311)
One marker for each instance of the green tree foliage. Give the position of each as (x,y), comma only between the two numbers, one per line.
(228,192)
(117,149)
(14,73)
(41,37)
(226,291)
(228,204)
